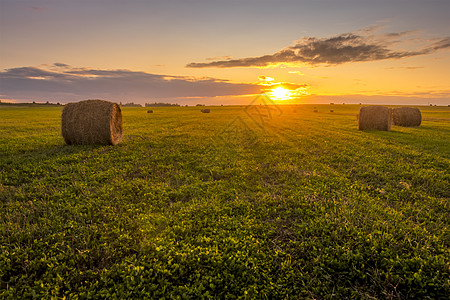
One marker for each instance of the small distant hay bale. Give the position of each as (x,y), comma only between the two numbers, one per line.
(149,111)
(331,110)
(316,110)
(92,122)
(407,116)
(206,111)
(375,118)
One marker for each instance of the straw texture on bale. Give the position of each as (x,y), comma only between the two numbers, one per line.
(206,111)
(375,118)
(92,122)
(407,116)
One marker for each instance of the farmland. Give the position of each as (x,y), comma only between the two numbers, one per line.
(243,202)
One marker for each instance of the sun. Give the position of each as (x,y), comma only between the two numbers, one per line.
(280,93)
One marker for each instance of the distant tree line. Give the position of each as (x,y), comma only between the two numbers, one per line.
(28,103)
(130,104)
(155,104)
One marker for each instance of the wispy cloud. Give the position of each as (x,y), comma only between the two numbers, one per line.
(65,83)
(226,57)
(296,72)
(359,46)
(265,78)
(404,68)
(37,8)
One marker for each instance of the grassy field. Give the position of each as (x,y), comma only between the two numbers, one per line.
(244,202)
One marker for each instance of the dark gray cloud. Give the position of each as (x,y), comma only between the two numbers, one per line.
(440,44)
(345,48)
(31,73)
(61,65)
(73,84)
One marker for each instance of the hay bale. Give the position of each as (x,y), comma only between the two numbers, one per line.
(149,111)
(375,118)
(316,110)
(331,110)
(206,111)
(92,122)
(406,116)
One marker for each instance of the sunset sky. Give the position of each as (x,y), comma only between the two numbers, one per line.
(226,52)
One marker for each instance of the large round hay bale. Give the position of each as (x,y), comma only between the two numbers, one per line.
(206,111)
(92,122)
(407,116)
(375,118)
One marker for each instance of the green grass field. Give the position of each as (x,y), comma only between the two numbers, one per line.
(239,203)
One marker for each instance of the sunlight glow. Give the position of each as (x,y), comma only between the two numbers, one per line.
(280,93)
